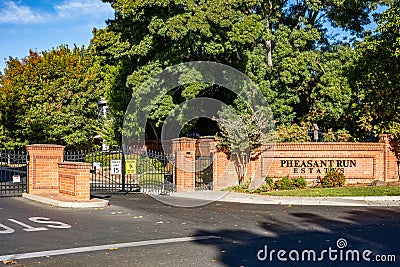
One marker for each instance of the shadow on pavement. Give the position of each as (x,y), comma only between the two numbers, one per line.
(356,231)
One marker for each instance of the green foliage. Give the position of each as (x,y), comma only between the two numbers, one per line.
(329,136)
(103,158)
(49,97)
(244,187)
(340,191)
(299,182)
(287,183)
(268,186)
(376,102)
(341,135)
(292,133)
(262,189)
(284,184)
(269,181)
(151,179)
(282,46)
(333,178)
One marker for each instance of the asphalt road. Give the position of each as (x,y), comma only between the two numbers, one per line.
(136,230)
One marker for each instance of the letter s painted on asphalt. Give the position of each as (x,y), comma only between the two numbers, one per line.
(51,224)
(7,230)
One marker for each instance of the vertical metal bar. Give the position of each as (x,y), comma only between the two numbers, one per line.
(123,169)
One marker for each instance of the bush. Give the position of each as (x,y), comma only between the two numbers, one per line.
(284,184)
(299,182)
(293,133)
(287,183)
(263,188)
(339,136)
(333,178)
(269,181)
(244,187)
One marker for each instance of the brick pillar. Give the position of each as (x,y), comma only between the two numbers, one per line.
(74,180)
(43,168)
(185,153)
(390,160)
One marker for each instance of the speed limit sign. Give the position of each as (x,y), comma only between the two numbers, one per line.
(116,166)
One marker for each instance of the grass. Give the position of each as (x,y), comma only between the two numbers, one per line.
(339,192)
(151,178)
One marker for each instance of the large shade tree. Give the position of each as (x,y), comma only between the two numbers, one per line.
(284,46)
(376,76)
(376,105)
(49,97)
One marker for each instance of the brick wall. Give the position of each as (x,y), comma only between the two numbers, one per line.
(48,174)
(74,180)
(185,155)
(360,162)
(43,167)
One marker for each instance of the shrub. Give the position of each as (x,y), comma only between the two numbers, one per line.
(339,136)
(299,182)
(343,135)
(284,184)
(293,133)
(269,181)
(244,187)
(329,136)
(333,178)
(287,183)
(263,188)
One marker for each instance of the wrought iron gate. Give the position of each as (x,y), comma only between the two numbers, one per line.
(132,170)
(204,172)
(13,173)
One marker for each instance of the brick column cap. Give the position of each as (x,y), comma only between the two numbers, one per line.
(44,147)
(75,165)
(184,139)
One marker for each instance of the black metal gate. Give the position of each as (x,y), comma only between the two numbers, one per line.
(13,173)
(204,172)
(132,170)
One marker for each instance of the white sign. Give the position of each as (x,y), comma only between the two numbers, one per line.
(116,166)
(16,179)
(96,166)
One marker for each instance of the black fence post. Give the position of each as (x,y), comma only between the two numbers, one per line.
(123,170)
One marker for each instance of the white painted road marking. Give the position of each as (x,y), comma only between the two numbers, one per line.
(103,247)
(28,228)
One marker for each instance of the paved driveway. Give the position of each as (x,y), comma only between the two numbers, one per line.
(136,230)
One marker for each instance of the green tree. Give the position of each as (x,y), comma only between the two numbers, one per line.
(49,97)
(284,46)
(376,105)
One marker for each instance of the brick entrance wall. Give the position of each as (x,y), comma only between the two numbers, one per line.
(43,167)
(360,162)
(48,174)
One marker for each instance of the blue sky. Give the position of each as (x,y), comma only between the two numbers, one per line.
(42,24)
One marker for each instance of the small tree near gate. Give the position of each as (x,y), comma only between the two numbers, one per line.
(242,135)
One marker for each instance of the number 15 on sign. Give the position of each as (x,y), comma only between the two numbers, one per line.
(116,166)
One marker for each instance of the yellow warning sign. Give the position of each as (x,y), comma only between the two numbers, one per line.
(130,166)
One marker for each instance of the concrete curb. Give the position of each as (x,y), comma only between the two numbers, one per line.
(278,200)
(98,203)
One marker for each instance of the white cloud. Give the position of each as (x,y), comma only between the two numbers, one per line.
(14,12)
(90,8)
(20,14)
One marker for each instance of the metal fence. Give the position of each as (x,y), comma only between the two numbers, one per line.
(130,170)
(13,173)
(204,172)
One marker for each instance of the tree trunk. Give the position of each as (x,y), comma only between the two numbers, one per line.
(268,25)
